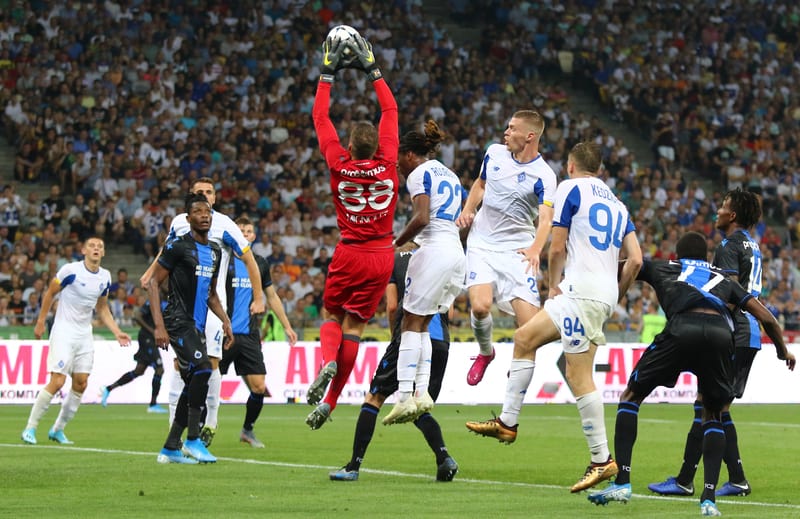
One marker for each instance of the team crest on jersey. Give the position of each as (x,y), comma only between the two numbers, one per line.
(472,275)
(213,255)
(521,178)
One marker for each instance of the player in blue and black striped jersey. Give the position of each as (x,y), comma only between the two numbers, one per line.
(384,383)
(192,264)
(698,338)
(246,354)
(739,257)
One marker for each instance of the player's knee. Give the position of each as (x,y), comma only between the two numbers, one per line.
(375,399)
(79,386)
(139,370)
(481,308)
(159,371)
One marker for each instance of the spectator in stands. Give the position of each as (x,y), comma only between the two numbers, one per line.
(53,207)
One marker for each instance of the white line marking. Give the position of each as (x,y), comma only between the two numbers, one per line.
(390,473)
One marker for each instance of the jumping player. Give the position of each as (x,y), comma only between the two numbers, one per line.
(364,184)
(436,270)
(515,188)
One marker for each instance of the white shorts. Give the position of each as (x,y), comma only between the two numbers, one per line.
(580,321)
(435,277)
(505,271)
(214,336)
(70,352)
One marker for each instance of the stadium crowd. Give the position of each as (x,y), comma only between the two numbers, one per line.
(118,106)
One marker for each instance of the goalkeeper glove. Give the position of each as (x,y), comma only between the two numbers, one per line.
(365,59)
(332,58)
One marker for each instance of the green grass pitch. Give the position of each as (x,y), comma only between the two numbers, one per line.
(111,471)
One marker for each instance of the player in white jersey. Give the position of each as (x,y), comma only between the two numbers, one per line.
(591,231)
(83,286)
(229,237)
(515,187)
(435,272)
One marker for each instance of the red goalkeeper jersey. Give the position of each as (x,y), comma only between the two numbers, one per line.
(364,191)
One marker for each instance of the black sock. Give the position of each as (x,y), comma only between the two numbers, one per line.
(693,449)
(156,385)
(254,405)
(430,429)
(178,423)
(625,431)
(198,391)
(732,457)
(365,427)
(713,448)
(124,379)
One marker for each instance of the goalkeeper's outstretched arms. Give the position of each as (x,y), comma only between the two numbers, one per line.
(388,133)
(332,60)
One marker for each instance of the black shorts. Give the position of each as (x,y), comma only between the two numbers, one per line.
(245,355)
(189,345)
(384,381)
(694,342)
(742,362)
(148,353)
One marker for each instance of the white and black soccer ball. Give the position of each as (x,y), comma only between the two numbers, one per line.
(343,33)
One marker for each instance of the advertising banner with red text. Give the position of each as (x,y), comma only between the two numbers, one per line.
(23,372)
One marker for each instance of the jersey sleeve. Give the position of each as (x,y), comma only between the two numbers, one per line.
(171,253)
(547,186)
(419,183)
(232,236)
(388,132)
(327,137)
(66,274)
(486,157)
(568,201)
(739,296)
(646,272)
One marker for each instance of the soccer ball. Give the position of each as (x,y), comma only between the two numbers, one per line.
(343,33)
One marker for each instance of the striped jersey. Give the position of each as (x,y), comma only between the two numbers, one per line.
(192,267)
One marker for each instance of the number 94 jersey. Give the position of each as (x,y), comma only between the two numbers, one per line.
(437,181)
(598,222)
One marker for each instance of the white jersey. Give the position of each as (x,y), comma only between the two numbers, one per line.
(223,232)
(436,180)
(80,290)
(514,192)
(597,221)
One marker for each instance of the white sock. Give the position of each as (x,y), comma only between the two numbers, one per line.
(68,409)
(212,399)
(520,375)
(590,407)
(40,406)
(482,328)
(176,386)
(423,377)
(407,361)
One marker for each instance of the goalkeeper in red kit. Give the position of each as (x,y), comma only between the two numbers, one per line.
(364,183)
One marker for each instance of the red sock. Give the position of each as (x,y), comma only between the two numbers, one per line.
(344,363)
(330,339)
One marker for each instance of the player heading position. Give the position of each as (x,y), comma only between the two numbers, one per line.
(515,187)
(83,286)
(591,229)
(192,263)
(697,338)
(436,270)
(384,383)
(739,257)
(246,354)
(364,184)
(225,233)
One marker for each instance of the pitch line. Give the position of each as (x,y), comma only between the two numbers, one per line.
(390,473)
